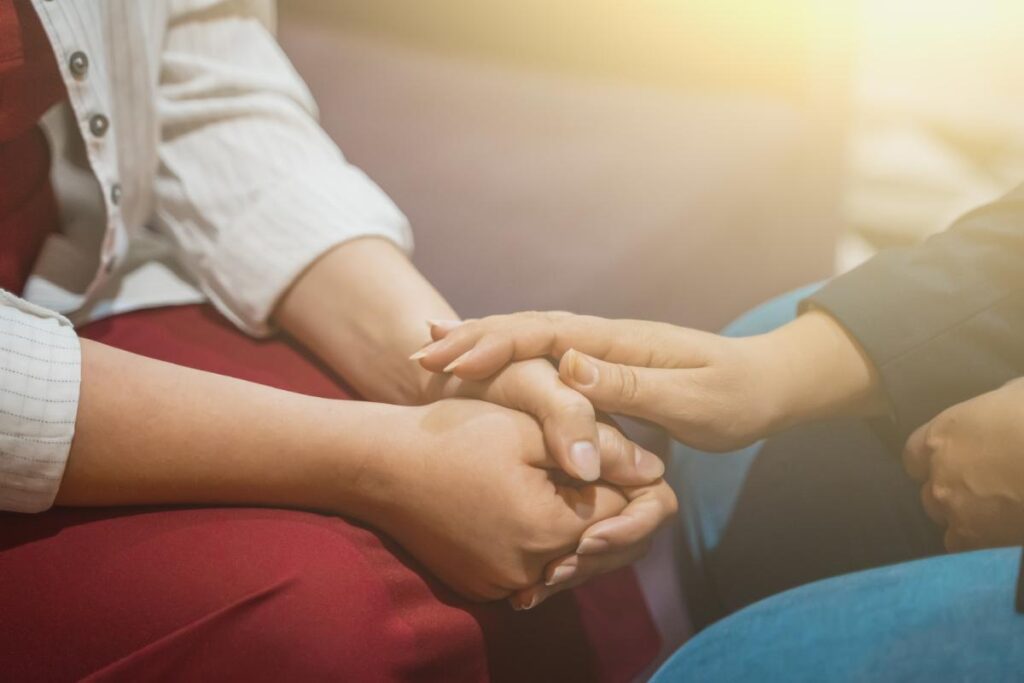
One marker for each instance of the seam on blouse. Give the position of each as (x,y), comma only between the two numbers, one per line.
(37,420)
(41,379)
(28,458)
(35,358)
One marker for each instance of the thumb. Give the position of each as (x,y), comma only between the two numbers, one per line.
(621,389)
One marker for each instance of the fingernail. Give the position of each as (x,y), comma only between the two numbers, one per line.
(648,465)
(455,363)
(561,575)
(583,509)
(422,353)
(446,325)
(586,459)
(582,370)
(534,601)
(592,546)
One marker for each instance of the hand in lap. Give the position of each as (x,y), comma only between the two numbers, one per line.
(569,422)
(472,492)
(969,462)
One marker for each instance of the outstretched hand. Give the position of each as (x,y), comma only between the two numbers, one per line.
(711,392)
(696,385)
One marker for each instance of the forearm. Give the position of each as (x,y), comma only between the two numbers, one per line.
(813,369)
(149,432)
(362,308)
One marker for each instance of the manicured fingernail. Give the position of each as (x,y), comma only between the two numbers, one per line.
(458,361)
(648,465)
(446,325)
(592,546)
(561,575)
(586,459)
(534,601)
(422,353)
(582,370)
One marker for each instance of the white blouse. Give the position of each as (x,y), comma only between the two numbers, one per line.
(188,166)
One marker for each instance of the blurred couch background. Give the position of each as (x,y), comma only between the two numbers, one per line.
(672,160)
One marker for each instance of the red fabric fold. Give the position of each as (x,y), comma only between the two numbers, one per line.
(30,83)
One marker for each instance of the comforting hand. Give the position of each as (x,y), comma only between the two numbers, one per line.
(570,431)
(469,489)
(970,460)
(566,417)
(711,392)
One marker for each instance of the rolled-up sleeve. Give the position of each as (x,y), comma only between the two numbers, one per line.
(249,186)
(40,373)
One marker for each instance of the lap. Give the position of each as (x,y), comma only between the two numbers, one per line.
(948,618)
(262,594)
(816,501)
(220,593)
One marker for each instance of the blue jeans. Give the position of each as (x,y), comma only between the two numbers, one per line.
(947,618)
(817,501)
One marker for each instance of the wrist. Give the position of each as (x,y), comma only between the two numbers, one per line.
(357,457)
(814,369)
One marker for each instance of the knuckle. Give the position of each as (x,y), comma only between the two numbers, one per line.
(934,441)
(516,578)
(671,505)
(628,384)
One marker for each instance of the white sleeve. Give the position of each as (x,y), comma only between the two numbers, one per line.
(40,373)
(249,186)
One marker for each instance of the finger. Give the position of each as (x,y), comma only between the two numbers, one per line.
(586,505)
(567,419)
(440,328)
(574,570)
(648,508)
(917,453)
(490,354)
(956,541)
(625,463)
(508,337)
(624,389)
(933,507)
(534,335)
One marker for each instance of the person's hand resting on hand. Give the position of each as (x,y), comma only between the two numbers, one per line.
(711,392)
(970,461)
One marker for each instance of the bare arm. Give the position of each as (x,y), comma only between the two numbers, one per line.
(362,308)
(151,432)
(463,485)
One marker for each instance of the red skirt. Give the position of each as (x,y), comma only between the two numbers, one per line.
(255,594)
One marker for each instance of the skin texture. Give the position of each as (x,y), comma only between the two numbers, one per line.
(363,308)
(968,460)
(484,495)
(468,487)
(711,392)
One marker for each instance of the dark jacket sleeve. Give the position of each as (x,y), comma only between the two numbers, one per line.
(942,321)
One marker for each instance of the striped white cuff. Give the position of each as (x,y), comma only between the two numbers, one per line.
(40,374)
